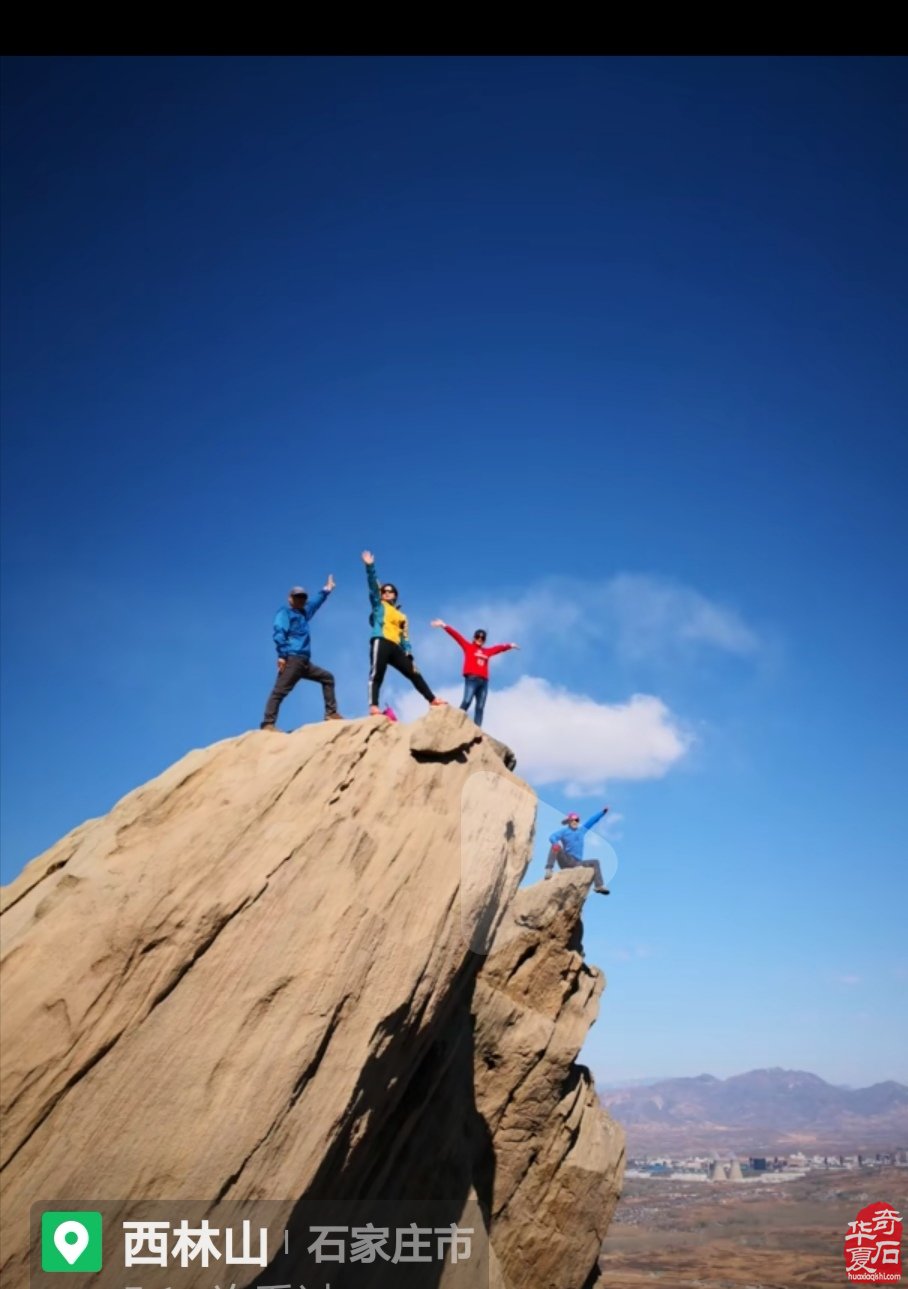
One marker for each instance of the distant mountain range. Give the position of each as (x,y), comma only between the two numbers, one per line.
(765,1110)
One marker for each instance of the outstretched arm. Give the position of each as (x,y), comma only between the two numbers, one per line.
(455,635)
(502,648)
(594,819)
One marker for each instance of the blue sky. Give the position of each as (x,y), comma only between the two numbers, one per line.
(607,353)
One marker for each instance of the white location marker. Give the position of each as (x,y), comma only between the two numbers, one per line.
(71,1239)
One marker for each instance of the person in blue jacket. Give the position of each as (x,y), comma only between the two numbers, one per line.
(567,848)
(291,638)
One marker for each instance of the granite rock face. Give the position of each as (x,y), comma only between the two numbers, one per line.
(266,975)
(514,1120)
(559,1158)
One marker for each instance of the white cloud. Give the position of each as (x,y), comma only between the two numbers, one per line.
(563,737)
(635,615)
(568,627)
(652,613)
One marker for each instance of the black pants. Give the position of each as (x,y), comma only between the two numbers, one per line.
(384,654)
(567,861)
(299,668)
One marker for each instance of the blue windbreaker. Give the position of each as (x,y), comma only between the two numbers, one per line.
(291,627)
(572,838)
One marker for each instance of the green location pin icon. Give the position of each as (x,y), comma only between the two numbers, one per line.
(71,1240)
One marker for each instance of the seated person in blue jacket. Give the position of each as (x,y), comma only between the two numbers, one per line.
(567,848)
(291,638)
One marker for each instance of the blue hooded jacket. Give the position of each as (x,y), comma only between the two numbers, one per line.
(572,838)
(291,627)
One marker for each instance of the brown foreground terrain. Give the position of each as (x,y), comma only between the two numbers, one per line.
(702,1235)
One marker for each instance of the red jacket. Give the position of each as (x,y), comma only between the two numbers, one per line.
(476,657)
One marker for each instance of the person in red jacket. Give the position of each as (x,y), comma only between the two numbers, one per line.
(475,666)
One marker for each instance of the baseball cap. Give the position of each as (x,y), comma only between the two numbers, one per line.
(571,816)
(298,590)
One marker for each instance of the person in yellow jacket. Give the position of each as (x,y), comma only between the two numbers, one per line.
(390,645)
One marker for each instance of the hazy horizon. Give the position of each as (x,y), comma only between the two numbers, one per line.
(611,1085)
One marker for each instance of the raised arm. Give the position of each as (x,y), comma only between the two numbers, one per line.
(502,648)
(319,599)
(372,579)
(594,819)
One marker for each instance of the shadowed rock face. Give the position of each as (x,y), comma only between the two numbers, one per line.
(513,1116)
(559,1158)
(264,975)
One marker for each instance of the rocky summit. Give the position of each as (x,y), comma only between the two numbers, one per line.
(296,970)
